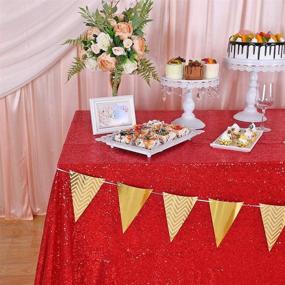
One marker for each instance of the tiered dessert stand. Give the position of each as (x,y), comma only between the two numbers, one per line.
(250,113)
(188,119)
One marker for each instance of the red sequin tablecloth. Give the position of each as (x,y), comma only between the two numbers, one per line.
(94,250)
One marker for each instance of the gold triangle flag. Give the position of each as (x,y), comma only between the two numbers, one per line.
(223,215)
(131,200)
(273,218)
(83,189)
(177,209)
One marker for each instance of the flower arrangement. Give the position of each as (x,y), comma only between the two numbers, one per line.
(114,42)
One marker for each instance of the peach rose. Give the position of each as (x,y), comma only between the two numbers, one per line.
(92,31)
(106,62)
(123,30)
(139,45)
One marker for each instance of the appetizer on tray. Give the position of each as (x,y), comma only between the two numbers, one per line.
(238,139)
(149,138)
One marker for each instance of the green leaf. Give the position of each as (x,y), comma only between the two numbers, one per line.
(76,42)
(95,19)
(147,71)
(76,67)
(122,59)
(117,42)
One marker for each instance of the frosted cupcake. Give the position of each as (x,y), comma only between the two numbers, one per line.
(174,68)
(210,68)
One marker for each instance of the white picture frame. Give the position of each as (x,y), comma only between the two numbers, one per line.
(110,114)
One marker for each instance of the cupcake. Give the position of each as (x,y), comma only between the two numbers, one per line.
(210,68)
(174,68)
(193,70)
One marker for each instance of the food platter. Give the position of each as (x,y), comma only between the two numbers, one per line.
(234,146)
(109,140)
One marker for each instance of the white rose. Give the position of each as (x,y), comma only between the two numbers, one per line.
(95,48)
(127,43)
(118,50)
(130,66)
(91,64)
(103,41)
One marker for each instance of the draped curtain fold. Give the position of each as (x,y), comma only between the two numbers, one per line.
(37,103)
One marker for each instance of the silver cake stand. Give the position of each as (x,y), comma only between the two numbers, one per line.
(250,113)
(188,118)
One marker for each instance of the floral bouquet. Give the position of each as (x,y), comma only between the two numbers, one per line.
(114,42)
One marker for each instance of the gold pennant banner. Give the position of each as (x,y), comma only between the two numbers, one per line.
(223,215)
(177,209)
(273,218)
(83,189)
(131,200)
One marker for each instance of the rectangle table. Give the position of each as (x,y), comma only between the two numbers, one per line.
(95,251)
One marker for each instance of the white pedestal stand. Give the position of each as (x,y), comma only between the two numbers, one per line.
(250,113)
(188,118)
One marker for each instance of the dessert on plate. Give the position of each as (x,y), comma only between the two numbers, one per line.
(150,134)
(236,136)
(257,46)
(174,68)
(193,70)
(210,68)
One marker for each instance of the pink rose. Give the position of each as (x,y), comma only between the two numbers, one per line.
(139,45)
(92,31)
(106,62)
(123,30)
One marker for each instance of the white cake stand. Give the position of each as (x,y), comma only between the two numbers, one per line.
(188,119)
(250,113)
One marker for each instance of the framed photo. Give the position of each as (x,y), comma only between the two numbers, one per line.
(110,114)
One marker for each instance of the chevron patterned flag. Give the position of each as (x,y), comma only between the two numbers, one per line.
(273,218)
(177,209)
(223,215)
(83,189)
(131,200)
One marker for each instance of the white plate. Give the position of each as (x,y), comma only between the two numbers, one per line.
(109,141)
(215,144)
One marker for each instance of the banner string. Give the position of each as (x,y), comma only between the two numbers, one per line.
(158,193)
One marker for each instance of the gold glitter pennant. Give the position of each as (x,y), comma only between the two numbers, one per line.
(177,209)
(223,215)
(83,189)
(273,218)
(131,200)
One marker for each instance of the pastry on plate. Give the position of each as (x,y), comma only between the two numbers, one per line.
(174,68)
(193,70)
(210,68)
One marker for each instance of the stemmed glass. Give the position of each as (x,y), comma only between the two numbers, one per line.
(263,101)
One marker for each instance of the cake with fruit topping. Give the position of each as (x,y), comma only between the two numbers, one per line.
(257,46)
(210,68)
(193,70)
(174,68)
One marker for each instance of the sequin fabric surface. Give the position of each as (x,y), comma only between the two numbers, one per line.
(95,251)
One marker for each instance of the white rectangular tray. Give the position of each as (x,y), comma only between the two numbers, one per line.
(108,139)
(215,144)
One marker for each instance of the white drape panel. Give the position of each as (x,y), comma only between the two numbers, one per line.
(34,119)
(32,33)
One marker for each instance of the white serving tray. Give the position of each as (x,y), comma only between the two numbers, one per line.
(215,144)
(108,139)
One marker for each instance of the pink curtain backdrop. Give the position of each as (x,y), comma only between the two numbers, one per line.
(35,118)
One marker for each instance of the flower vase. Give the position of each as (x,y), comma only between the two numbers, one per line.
(115,84)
